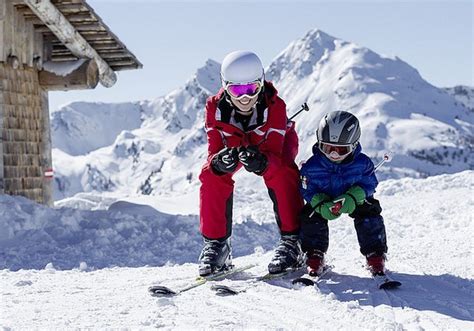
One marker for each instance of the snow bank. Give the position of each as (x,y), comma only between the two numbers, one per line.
(127,234)
(429,231)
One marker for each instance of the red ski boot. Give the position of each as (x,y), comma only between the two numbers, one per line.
(314,262)
(376,263)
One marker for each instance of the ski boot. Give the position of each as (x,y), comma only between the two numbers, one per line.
(314,262)
(376,263)
(288,254)
(215,256)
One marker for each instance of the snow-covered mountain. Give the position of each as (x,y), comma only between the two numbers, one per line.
(161,148)
(463,94)
(82,127)
(66,268)
(155,149)
(427,130)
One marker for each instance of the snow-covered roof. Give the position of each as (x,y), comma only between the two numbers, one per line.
(91,27)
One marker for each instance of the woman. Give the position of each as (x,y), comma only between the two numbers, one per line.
(247,126)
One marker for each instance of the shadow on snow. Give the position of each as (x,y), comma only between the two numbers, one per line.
(445,294)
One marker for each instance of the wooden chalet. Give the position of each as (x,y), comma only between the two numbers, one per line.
(46,45)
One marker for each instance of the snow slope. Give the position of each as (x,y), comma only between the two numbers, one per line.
(91,269)
(426,128)
(83,127)
(463,94)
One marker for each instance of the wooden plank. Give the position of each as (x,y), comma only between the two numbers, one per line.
(114,55)
(30,44)
(119,63)
(86,76)
(38,49)
(97,47)
(20,37)
(3,5)
(80,28)
(75,18)
(125,67)
(7,31)
(46,158)
(14,32)
(47,50)
(60,58)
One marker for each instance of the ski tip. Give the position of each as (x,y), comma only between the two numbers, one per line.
(390,285)
(161,291)
(224,290)
(302,281)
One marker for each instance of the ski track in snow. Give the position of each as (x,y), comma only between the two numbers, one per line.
(430,250)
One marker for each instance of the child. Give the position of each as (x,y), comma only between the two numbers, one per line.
(340,179)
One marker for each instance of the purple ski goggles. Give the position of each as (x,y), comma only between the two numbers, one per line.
(238,91)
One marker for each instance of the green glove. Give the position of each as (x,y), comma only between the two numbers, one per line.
(318,199)
(350,200)
(357,193)
(325,211)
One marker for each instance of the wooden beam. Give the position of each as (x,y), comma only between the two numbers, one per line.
(98,47)
(69,75)
(78,27)
(130,67)
(65,57)
(73,18)
(70,36)
(122,63)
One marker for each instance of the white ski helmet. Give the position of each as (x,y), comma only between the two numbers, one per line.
(241,67)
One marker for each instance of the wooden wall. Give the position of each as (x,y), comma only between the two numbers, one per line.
(21,132)
(25,145)
(17,35)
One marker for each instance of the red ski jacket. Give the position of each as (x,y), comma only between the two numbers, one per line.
(272,132)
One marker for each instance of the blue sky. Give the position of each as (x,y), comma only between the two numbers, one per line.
(174,38)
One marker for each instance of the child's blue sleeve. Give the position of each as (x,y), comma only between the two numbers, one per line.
(308,186)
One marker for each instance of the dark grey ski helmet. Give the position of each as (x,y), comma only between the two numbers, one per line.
(340,128)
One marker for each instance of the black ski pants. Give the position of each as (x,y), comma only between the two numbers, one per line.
(368,224)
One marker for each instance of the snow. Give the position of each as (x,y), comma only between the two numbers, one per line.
(62,68)
(463,94)
(66,268)
(126,211)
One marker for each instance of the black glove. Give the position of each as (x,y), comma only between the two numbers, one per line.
(226,160)
(252,159)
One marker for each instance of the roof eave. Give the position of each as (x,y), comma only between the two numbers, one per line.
(71,38)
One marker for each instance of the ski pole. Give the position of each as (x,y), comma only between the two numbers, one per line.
(387,157)
(304,107)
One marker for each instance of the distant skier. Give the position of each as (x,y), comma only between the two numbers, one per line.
(246,125)
(339,179)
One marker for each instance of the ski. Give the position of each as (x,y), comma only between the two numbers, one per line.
(164,291)
(385,282)
(224,290)
(307,280)
(270,276)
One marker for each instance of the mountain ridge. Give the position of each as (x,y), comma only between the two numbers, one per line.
(427,129)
